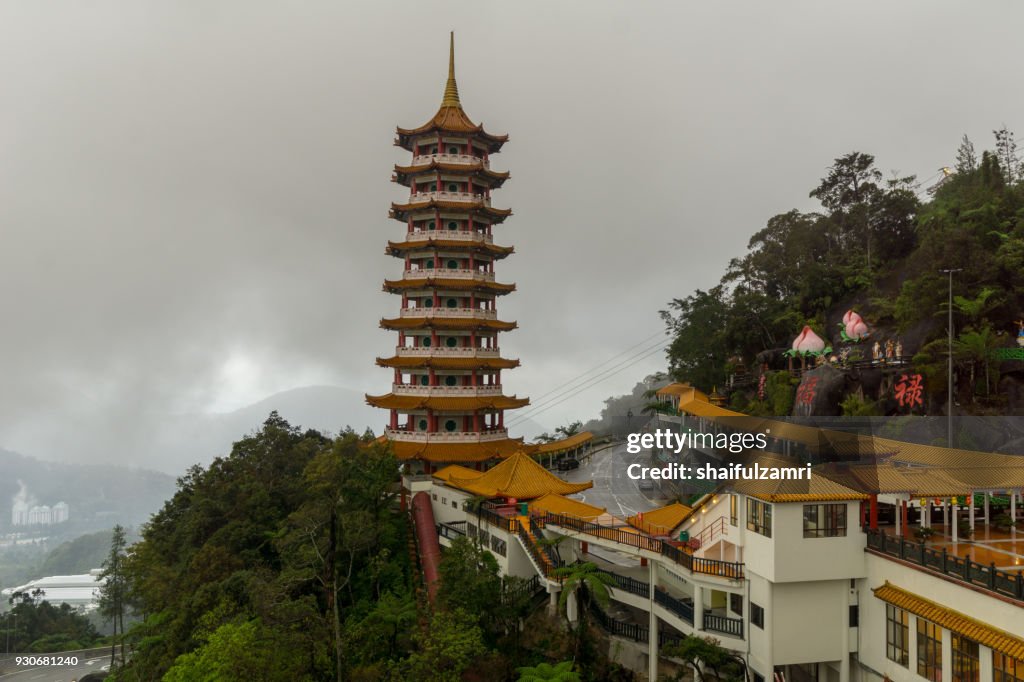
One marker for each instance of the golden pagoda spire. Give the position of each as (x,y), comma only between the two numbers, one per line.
(451,89)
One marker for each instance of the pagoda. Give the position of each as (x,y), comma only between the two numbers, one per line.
(446,402)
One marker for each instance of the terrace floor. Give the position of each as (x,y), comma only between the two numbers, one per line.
(988,545)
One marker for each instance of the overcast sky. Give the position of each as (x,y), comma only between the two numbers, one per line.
(194,195)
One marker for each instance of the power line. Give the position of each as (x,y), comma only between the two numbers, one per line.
(598,366)
(583,379)
(565,395)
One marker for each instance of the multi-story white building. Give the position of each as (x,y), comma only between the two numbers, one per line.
(42,515)
(900,570)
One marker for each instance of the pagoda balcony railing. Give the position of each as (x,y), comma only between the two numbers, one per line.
(473,313)
(426,159)
(468,197)
(450,273)
(445,437)
(452,235)
(446,391)
(430,352)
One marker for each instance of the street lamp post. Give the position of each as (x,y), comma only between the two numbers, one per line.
(949,382)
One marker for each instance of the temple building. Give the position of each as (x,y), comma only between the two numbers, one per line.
(447,404)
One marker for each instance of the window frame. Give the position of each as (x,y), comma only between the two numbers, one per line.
(759,517)
(897,619)
(929,650)
(830,519)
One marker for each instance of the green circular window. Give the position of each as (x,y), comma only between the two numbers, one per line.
(452,303)
(424,380)
(423,425)
(453,225)
(451,342)
(449,425)
(428,303)
(452,265)
(428,263)
(452,187)
(431,225)
(453,150)
(450,381)
(426,342)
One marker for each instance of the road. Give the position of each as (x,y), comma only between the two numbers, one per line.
(613,489)
(59,673)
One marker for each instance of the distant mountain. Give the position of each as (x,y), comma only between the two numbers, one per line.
(99,495)
(173,442)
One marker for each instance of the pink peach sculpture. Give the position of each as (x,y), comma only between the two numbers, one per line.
(854,327)
(808,342)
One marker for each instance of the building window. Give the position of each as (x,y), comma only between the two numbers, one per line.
(450,425)
(423,427)
(824,520)
(452,187)
(453,225)
(453,264)
(424,380)
(965,659)
(435,496)
(734,509)
(444,500)
(736,604)
(756,615)
(431,225)
(1006,669)
(759,517)
(453,150)
(471,530)
(485,537)
(454,505)
(450,381)
(929,650)
(498,545)
(897,635)
(854,616)
(425,342)
(451,342)
(452,303)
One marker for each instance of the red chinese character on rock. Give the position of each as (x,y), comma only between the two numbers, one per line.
(909,390)
(806,392)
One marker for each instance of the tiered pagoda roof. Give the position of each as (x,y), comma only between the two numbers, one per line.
(519,476)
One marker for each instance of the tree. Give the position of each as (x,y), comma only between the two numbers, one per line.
(1006,153)
(570,429)
(113,591)
(977,347)
(545,672)
(966,158)
(707,659)
(469,580)
(447,648)
(590,586)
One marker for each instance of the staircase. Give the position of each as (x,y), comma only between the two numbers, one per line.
(543,558)
(716,531)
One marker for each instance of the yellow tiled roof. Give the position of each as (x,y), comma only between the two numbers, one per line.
(557,504)
(424,240)
(952,620)
(455,470)
(441,362)
(439,321)
(457,452)
(520,477)
(448,283)
(817,489)
(570,443)
(391,401)
(662,520)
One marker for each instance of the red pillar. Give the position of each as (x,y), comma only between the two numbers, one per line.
(906,515)
(585,547)
(874,512)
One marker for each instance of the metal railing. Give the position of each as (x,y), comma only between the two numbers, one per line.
(450,235)
(726,569)
(674,605)
(986,576)
(426,159)
(723,624)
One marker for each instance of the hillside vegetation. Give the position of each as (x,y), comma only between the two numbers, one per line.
(877,245)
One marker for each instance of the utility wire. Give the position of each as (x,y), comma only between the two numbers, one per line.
(565,395)
(584,379)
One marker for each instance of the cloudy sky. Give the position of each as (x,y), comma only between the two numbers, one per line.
(194,195)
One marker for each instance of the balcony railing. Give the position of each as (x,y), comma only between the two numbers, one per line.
(446,391)
(464,352)
(723,624)
(444,437)
(464,313)
(676,606)
(1007,583)
(450,273)
(451,235)
(426,159)
(417,197)
(725,569)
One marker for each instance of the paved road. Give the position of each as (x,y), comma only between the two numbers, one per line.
(58,674)
(613,489)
